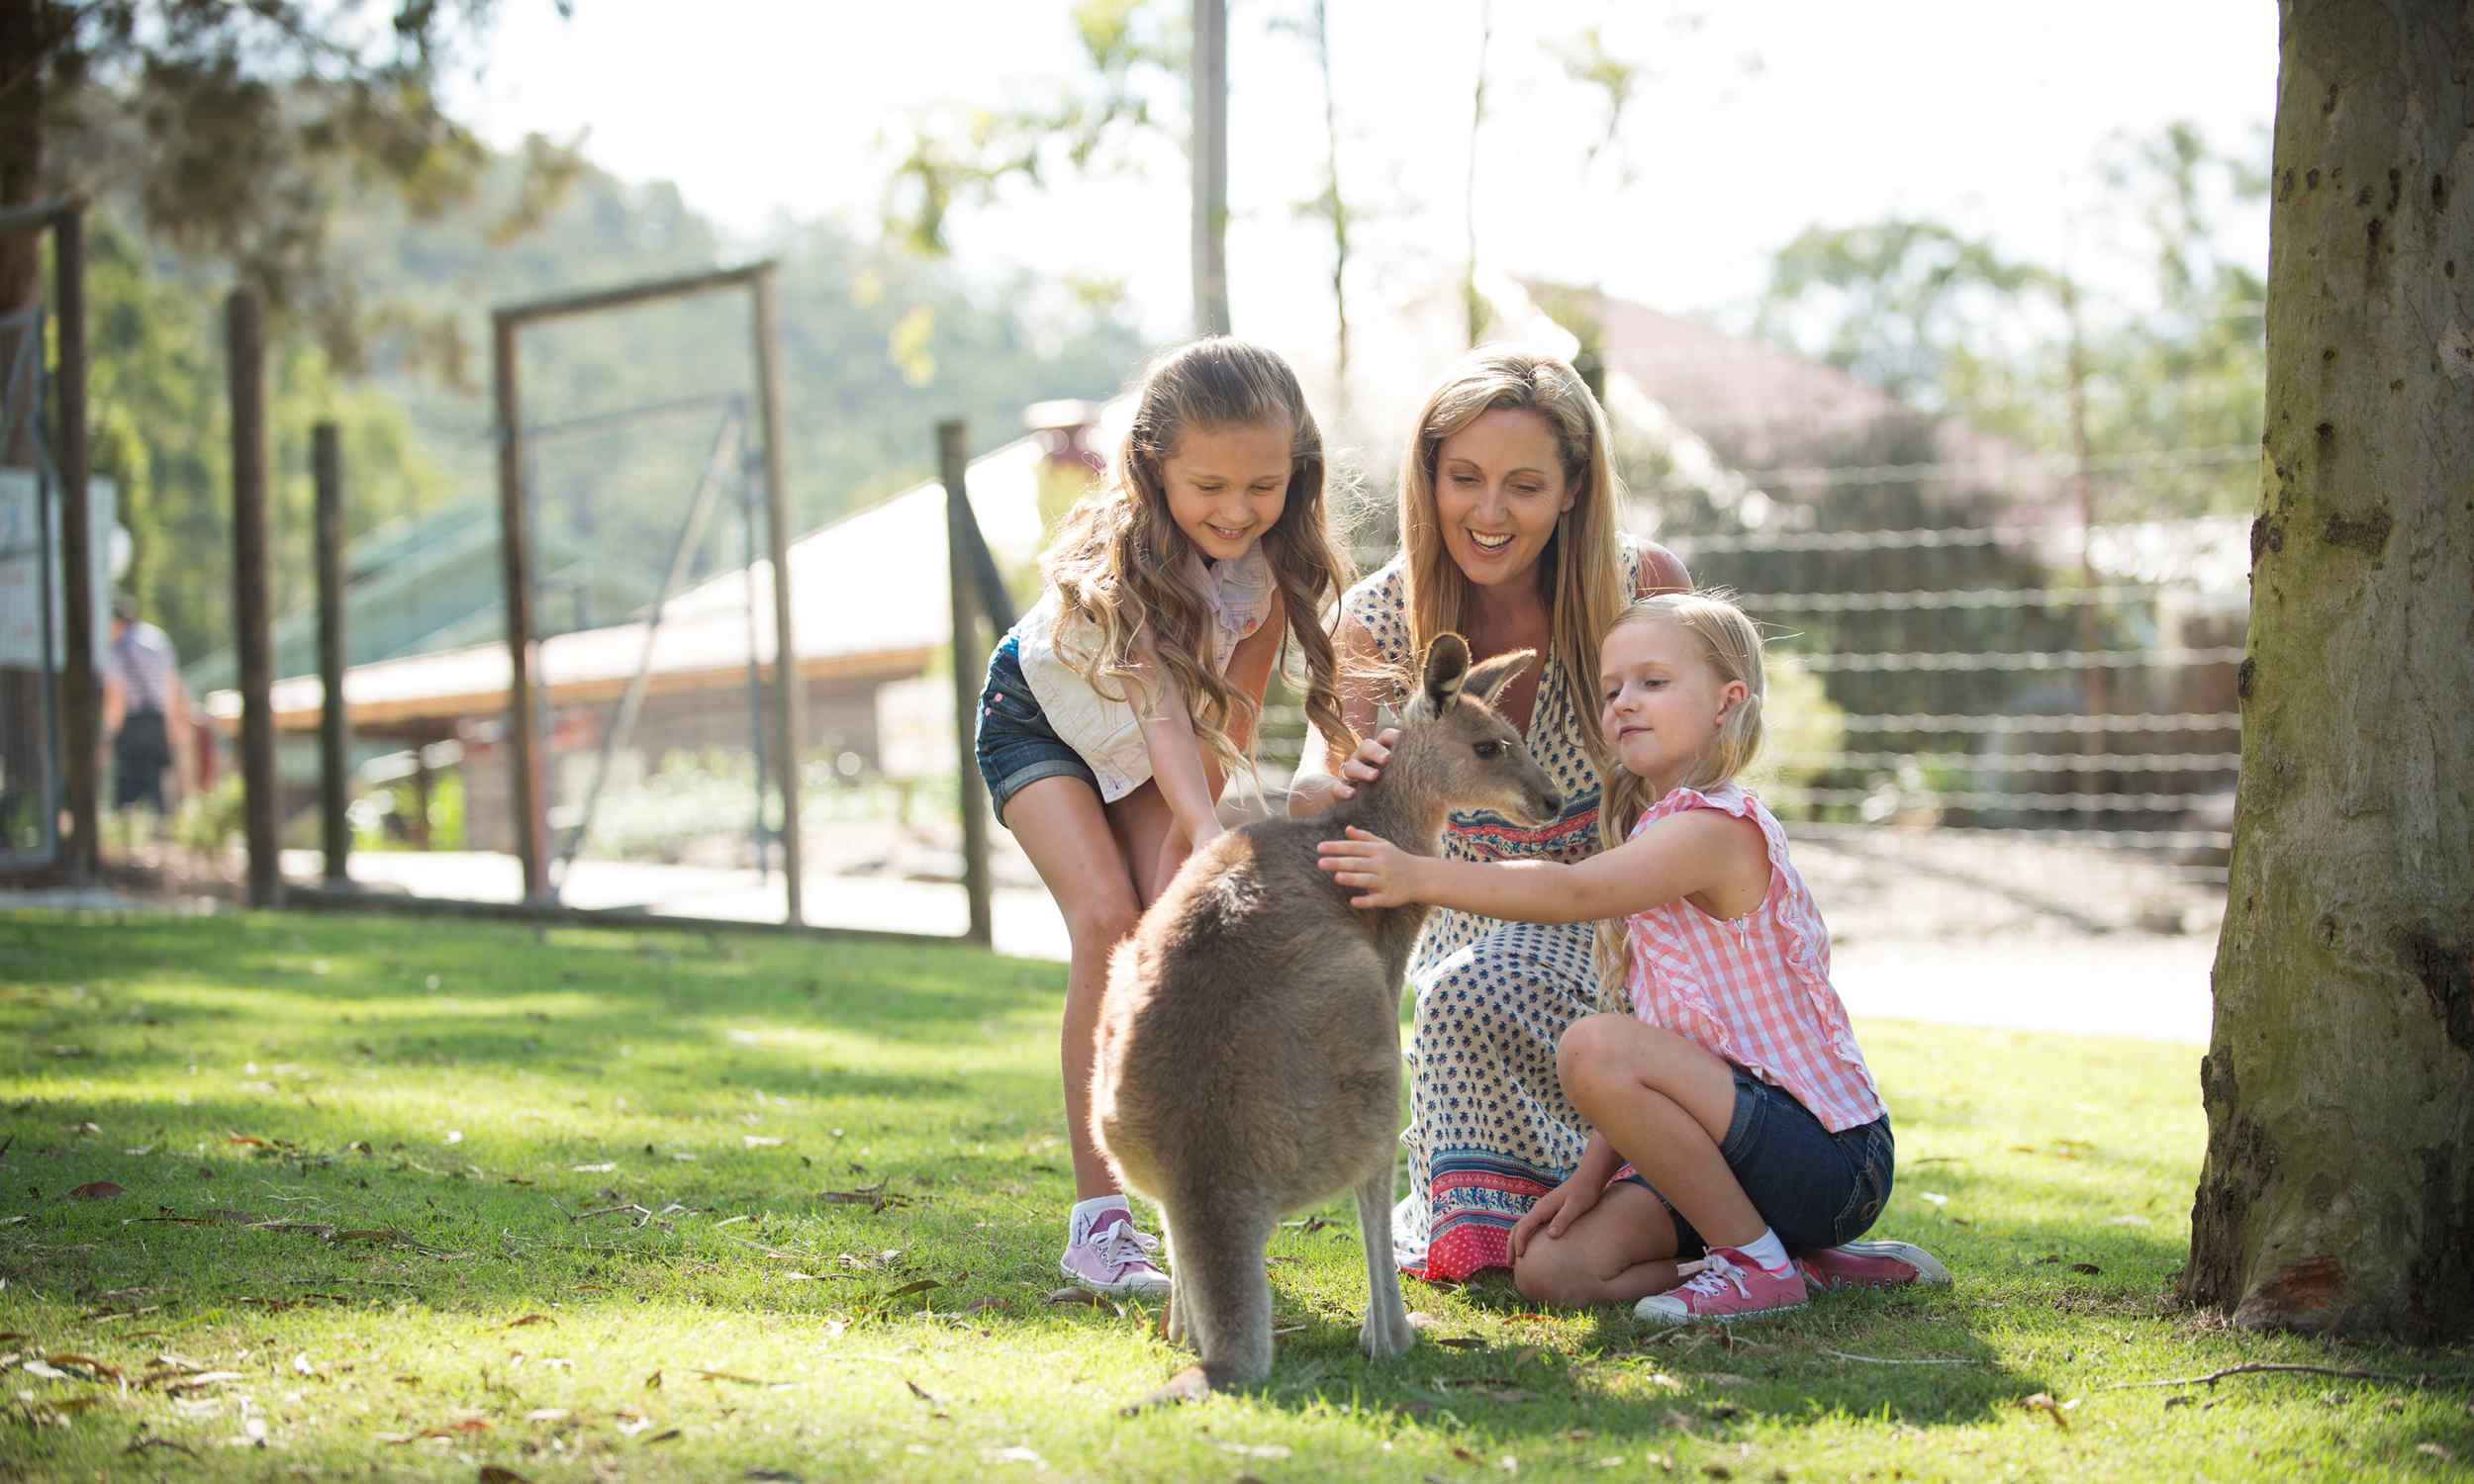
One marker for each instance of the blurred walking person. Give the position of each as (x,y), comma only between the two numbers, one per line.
(145,713)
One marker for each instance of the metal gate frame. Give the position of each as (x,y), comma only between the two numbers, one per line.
(531,792)
(77,710)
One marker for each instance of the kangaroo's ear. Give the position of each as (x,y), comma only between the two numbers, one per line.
(1447,670)
(1487,681)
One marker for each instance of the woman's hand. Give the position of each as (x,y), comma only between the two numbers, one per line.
(1364,765)
(1385,873)
(1557,1210)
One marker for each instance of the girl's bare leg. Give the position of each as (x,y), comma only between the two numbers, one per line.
(1146,831)
(1620,1250)
(1665,1103)
(1064,829)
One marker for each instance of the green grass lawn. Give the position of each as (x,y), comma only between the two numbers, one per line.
(303,1197)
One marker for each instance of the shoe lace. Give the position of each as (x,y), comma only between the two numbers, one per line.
(1716,1277)
(1125,1244)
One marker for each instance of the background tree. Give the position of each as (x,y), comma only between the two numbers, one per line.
(1473,302)
(2169,354)
(1138,53)
(1328,205)
(2338,1190)
(231,129)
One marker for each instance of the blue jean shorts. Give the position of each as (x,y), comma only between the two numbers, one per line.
(1017,745)
(1815,1188)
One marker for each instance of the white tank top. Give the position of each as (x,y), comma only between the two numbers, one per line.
(1106,732)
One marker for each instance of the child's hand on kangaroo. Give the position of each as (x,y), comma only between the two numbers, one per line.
(1386,874)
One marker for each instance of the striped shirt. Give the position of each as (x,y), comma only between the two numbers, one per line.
(142,661)
(1755,990)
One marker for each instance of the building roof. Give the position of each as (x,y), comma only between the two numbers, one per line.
(868,597)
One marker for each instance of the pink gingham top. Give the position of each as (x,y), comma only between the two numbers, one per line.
(1755,990)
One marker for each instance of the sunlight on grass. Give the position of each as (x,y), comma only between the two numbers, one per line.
(659,1207)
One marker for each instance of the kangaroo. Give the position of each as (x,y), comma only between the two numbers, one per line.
(1249,1060)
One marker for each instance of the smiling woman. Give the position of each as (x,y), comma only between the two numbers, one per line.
(1509,507)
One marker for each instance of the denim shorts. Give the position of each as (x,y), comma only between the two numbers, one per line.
(1815,1188)
(1017,745)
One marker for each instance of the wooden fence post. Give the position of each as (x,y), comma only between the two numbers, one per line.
(515,552)
(953,457)
(334,726)
(246,370)
(81,689)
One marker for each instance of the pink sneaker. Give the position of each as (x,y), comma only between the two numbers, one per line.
(1729,1286)
(1110,1255)
(1871,1265)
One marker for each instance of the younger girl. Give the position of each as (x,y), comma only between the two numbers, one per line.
(1116,707)
(1734,1117)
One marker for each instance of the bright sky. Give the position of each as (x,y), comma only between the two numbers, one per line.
(1764,120)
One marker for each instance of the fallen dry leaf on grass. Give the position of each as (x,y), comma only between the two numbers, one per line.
(723,1376)
(530,1319)
(759,1140)
(2044,1402)
(874,1197)
(491,1473)
(918,1285)
(63,1364)
(96,1190)
(1081,1296)
(201,1382)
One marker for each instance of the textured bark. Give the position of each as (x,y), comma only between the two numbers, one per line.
(2338,1191)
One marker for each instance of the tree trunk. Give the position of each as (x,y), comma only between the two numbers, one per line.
(1210,167)
(24,41)
(1474,303)
(1338,206)
(2338,1191)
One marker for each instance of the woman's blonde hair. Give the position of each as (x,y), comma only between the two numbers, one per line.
(1732,644)
(1580,572)
(1120,562)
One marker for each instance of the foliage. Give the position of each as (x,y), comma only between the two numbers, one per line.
(416,429)
(161,431)
(587,1204)
(234,131)
(1950,323)
(1138,51)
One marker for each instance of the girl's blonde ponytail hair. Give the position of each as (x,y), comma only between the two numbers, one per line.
(1732,644)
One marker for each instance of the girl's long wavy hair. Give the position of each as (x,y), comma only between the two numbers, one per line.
(1732,644)
(1580,572)
(1120,562)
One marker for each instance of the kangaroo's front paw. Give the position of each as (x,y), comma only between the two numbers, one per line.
(1385,1333)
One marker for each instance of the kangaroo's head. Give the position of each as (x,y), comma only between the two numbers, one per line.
(1458,752)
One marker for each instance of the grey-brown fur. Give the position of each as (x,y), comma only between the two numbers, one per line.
(1249,1058)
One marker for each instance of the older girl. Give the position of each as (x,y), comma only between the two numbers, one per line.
(1118,704)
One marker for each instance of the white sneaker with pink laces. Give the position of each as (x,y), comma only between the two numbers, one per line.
(1730,1286)
(1105,1252)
